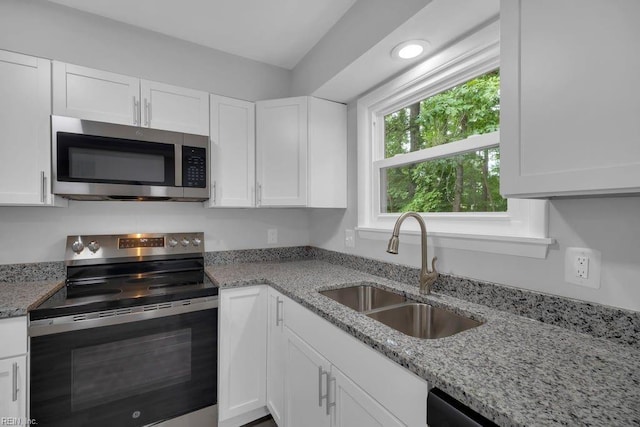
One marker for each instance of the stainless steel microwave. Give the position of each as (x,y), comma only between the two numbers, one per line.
(105,161)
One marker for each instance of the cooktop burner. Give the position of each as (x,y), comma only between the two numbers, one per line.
(116,271)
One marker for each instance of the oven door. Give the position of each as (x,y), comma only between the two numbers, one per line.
(129,373)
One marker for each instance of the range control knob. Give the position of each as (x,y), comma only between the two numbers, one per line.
(196,241)
(184,242)
(93,246)
(77,246)
(173,242)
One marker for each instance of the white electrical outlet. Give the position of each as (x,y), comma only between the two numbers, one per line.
(582,267)
(272,236)
(349,238)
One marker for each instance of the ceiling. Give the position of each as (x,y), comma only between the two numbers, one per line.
(276,32)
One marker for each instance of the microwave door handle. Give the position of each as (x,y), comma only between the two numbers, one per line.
(178,156)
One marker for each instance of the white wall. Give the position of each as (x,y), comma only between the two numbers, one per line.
(36,234)
(48,30)
(610,225)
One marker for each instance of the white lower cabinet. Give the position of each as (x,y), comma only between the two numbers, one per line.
(13,370)
(316,374)
(355,407)
(331,378)
(276,356)
(306,385)
(242,355)
(13,389)
(318,394)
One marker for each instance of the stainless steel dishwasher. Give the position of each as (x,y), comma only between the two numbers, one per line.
(445,411)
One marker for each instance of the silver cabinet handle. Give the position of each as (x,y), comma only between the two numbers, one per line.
(14,394)
(214,192)
(43,187)
(329,403)
(279,316)
(321,396)
(146,112)
(259,201)
(136,105)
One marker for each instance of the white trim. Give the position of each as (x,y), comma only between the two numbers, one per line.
(522,230)
(531,247)
(472,143)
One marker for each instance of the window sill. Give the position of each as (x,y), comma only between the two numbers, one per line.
(531,247)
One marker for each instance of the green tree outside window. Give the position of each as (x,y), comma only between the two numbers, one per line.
(466,182)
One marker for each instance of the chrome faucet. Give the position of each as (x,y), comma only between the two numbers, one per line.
(427,278)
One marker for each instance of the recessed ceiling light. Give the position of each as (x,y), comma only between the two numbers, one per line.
(409,49)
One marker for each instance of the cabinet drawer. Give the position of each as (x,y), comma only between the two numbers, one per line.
(13,336)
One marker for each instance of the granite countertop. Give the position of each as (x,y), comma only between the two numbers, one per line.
(17,298)
(514,370)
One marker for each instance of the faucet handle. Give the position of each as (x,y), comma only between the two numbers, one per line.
(433,265)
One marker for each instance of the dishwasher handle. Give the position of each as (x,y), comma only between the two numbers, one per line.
(445,411)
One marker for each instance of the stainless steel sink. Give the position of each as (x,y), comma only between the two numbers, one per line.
(400,313)
(423,320)
(364,297)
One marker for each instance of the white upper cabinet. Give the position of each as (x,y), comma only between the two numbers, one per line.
(25,140)
(97,95)
(569,113)
(174,108)
(301,155)
(281,129)
(232,153)
(102,96)
(327,167)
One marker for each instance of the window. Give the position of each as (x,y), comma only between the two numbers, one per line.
(429,141)
(463,181)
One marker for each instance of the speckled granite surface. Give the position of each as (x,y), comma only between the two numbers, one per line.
(621,326)
(514,370)
(32,272)
(16,299)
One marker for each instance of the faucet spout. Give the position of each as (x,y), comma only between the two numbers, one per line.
(427,278)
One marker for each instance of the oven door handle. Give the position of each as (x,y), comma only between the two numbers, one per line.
(119,316)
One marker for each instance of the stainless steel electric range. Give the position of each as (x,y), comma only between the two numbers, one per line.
(131,339)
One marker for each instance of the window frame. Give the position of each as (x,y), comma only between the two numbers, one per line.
(521,230)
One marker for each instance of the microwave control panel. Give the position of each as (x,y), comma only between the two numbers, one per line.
(194,167)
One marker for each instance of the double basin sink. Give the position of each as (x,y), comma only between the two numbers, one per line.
(400,313)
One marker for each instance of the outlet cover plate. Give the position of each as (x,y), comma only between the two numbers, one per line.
(272,236)
(349,238)
(573,271)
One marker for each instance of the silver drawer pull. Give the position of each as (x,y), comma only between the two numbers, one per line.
(321,396)
(279,316)
(14,394)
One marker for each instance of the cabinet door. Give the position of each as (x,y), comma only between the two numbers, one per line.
(243,347)
(281,150)
(91,94)
(25,137)
(327,154)
(174,108)
(276,357)
(354,407)
(569,108)
(306,385)
(13,388)
(232,152)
